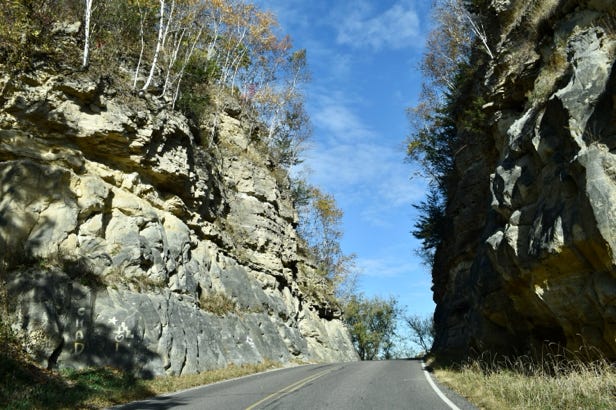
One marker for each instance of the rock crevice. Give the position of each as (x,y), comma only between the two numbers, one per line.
(542,269)
(178,258)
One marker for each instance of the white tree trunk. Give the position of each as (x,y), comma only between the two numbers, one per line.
(86,44)
(159,43)
(189,54)
(143,17)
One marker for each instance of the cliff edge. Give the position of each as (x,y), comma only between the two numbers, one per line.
(530,259)
(134,240)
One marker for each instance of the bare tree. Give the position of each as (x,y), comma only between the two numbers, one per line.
(422,330)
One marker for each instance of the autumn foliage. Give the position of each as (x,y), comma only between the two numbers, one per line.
(175,50)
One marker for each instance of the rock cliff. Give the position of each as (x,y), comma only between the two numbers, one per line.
(131,241)
(531,256)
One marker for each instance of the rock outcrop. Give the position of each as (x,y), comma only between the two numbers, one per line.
(133,242)
(531,258)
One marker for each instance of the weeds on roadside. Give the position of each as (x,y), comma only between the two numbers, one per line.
(565,380)
(24,386)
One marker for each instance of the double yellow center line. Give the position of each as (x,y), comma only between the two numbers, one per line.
(291,388)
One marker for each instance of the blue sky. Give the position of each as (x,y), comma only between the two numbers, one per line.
(363,56)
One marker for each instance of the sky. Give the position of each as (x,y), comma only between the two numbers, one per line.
(363,56)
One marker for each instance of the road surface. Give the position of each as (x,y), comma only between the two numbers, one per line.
(392,384)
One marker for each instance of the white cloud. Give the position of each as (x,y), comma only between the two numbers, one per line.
(392,268)
(368,177)
(361,167)
(339,122)
(396,27)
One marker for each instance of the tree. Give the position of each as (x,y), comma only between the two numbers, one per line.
(86,42)
(159,42)
(450,44)
(320,221)
(439,124)
(291,134)
(422,330)
(372,324)
(430,225)
(289,125)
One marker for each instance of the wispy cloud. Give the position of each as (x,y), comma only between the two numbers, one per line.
(388,267)
(340,122)
(382,268)
(359,165)
(397,27)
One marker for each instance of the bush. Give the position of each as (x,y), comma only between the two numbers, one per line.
(217,303)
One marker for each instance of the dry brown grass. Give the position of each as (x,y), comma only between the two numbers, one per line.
(25,386)
(168,384)
(554,382)
(218,303)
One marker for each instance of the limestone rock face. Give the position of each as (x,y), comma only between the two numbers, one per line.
(531,258)
(133,243)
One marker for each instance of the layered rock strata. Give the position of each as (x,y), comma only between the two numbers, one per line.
(132,241)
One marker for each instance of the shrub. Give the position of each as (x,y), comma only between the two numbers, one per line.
(217,303)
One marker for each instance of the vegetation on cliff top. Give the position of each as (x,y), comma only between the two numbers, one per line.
(184,54)
(443,118)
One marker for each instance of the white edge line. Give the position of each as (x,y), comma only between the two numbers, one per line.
(438,391)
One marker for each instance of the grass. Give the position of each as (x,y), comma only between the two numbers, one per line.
(25,386)
(217,303)
(554,382)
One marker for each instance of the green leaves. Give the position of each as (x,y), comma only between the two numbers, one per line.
(24,32)
(372,323)
(447,115)
(320,222)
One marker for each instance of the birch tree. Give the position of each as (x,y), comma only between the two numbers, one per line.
(159,45)
(143,10)
(86,43)
(320,227)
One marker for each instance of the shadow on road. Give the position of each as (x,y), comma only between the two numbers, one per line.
(156,403)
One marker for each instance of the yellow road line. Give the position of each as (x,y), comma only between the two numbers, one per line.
(290,388)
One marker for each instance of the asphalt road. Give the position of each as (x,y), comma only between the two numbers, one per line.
(393,384)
